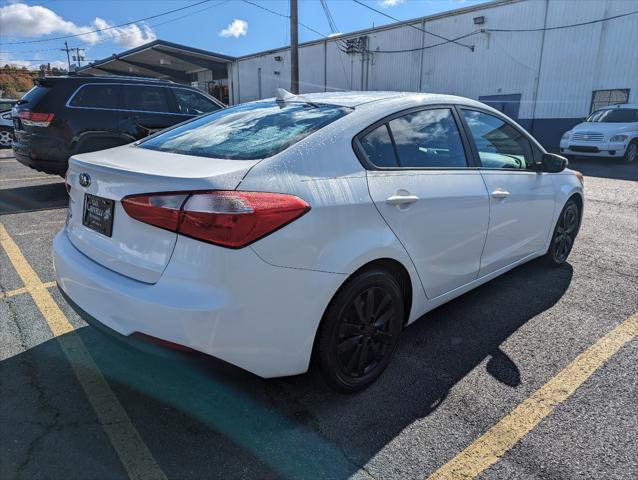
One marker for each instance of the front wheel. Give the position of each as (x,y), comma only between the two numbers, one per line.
(632,152)
(360,330)
(564,234)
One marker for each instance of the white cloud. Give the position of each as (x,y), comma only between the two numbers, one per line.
(129,36)
(21,20)
(335,34)
(391,3)
(235,29)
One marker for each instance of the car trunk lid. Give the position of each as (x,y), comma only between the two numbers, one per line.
(100,180)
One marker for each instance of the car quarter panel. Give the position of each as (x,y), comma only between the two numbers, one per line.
(343,231)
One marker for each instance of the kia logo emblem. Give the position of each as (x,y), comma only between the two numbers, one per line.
(85,179)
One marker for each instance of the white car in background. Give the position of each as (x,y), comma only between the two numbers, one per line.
(309,227)
(609,132)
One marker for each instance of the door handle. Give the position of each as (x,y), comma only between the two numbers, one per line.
(500,193)
(401,199)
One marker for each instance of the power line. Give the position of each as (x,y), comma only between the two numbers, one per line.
(447,40)
(109,28)
(501,30)
(476,32)
(283,15)
(559,27)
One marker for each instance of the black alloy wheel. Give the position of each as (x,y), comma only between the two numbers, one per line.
(361,330)
(564,234)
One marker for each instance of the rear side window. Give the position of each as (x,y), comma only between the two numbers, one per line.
(377,146)
(428,139)
(193,103)
(34,95)
(499,144)
(246,132)
(145,98)
(96,96)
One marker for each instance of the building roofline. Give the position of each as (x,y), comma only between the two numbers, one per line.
(160,43)
(390,26)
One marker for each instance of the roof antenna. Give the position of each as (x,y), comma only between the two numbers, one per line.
(284,96)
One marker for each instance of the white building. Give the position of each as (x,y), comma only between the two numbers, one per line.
(521,56)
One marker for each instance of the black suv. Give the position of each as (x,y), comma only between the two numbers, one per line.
(63,116)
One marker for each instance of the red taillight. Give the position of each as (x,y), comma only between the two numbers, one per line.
(36,119)
(228,218)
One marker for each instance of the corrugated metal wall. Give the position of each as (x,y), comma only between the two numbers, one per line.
(554,71)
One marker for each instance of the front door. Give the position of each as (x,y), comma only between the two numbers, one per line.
(420,181)
(521,199)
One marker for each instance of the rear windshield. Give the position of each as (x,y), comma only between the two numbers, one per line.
(246,132)
(614,115)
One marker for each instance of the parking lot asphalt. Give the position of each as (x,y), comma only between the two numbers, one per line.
(76,403)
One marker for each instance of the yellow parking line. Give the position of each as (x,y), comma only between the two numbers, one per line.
(20,291)
(133,453)
(493,444)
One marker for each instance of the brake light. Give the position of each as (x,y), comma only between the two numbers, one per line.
(36,119)
(227,218)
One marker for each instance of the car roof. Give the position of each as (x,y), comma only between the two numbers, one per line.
(84,78)
(353,99)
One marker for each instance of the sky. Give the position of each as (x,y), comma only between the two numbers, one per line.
(231,27)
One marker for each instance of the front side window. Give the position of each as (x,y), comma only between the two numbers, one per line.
(145,98)
(246,132)
(499,144)
(96,96)
(428,139)
(193,103)
(614,115)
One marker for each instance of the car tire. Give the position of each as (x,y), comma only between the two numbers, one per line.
(632,152)
(564,234)
(360,330)
(6,137)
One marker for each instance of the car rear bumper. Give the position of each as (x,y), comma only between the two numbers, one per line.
(227,303)
(42,153)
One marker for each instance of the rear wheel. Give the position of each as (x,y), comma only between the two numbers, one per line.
(564,234)
(360,330)
(6,137)
(632,152)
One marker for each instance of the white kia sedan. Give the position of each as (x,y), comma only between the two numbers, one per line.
(309,228)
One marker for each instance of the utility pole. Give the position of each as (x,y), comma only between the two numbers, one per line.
(67,50)
(79,57)
(294,48)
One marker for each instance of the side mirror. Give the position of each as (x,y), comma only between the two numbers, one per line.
(552,163)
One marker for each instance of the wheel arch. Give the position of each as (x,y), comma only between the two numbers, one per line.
(394,268)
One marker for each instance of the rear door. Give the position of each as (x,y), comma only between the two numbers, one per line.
(146,109)
(423,183)
(521,199)
(92,117)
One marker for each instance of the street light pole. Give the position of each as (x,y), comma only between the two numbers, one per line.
(294,48)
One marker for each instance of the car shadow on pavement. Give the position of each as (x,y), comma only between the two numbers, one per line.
(200,417)
(33,198)
(605,168)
